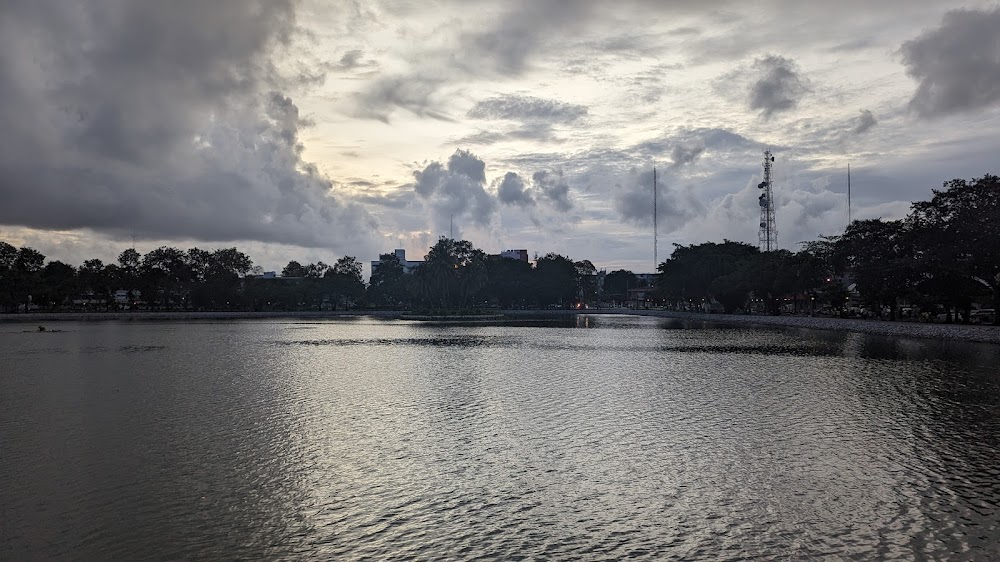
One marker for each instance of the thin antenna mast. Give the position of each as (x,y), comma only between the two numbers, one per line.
(848,194)
(655,264)
(451,226)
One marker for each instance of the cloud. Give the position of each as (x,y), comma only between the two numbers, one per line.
(633,201)
(957,65)
(167,118)
(350,59)
(527,108)
(776,85)
(511,190)
(685,154)
(552,186)
(456,189)
(519,33)
(415,94)
(535,118)
(864,122)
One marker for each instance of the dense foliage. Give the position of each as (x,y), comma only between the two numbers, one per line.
(171,279)
(943,257)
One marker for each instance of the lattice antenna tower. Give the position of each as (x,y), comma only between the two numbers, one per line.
(655,261)
(767,236)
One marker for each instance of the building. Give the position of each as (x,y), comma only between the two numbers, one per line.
(521,255)
(647,279)
(408,266)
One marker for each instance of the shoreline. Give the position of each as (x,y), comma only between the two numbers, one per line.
(962,332)
(972,333)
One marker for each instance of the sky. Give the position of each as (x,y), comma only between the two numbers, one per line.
(310,130)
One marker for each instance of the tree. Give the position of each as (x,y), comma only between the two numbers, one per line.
(165,276)
(21,274)
(880,257)
(294,269)
(344,281)
(957,241)
(508,282)
(216,277)
(129,263)
(617,283)
(388,286)
(555,280)
(8,254)
(229,263)
(688,274)
(452,273)
(58,284)
(316,270)
(586,281)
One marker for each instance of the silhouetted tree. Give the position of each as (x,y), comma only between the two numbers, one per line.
(689,272)
(344,282)
(452,273)
(129,263)
(555,280)
(58,285)
(508,282)
(294,269)
(388,284)
(617,283)
(957,239)
(586,281)
(880,256)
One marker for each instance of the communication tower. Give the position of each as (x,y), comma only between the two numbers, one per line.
(655,264)
(767,236)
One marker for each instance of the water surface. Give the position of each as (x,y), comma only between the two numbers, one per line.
(590,438)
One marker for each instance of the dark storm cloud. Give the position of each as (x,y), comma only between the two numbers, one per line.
(165,117)
(685,154)
(957,65)
(864,122)
(634,202)
(456,189)
(511,190)
(552,186)
(776,85)
(526,109)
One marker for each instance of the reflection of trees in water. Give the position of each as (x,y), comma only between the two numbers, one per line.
(930,406)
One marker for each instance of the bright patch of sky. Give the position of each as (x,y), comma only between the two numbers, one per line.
(309,130)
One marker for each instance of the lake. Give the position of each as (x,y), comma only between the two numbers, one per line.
(591,437)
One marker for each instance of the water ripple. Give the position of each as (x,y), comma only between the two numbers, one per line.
(603,439)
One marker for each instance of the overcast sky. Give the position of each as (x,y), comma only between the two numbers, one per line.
(310,130)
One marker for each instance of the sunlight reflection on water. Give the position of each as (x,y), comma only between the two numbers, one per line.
(588,438)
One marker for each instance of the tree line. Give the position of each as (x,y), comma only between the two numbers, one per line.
(942,258)
(456,274)
(171,279)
